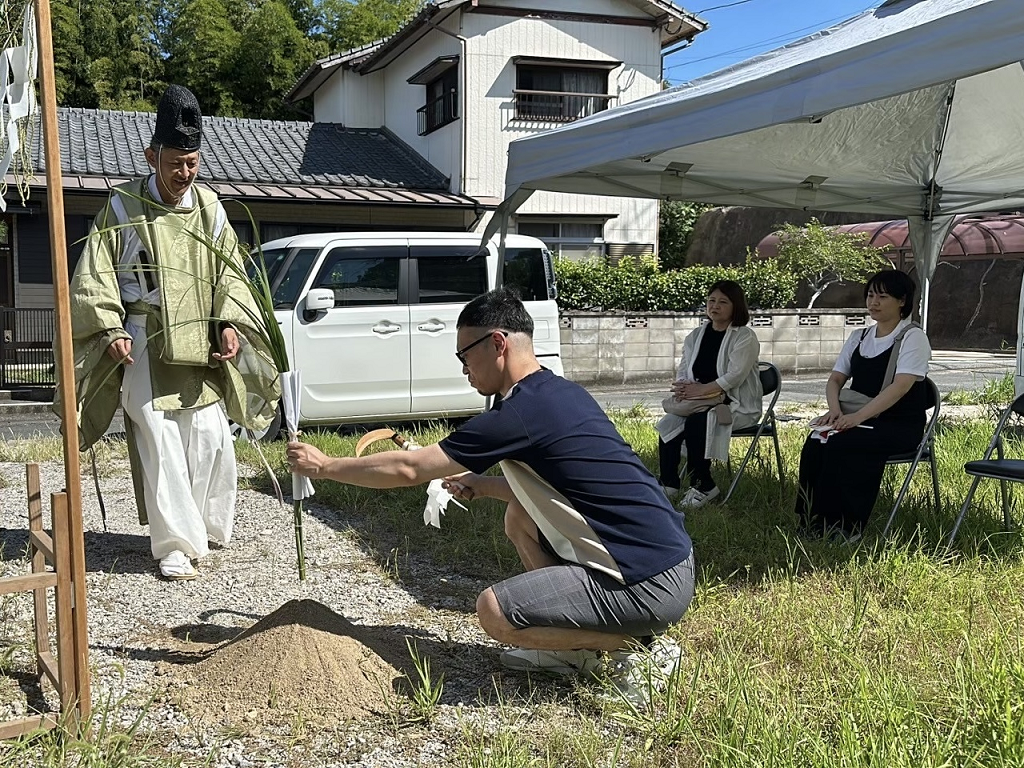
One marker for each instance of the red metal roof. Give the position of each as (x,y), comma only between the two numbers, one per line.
(972,237)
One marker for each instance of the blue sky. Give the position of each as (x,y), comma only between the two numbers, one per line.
(750,27)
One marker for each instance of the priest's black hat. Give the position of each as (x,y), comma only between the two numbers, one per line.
(179,121)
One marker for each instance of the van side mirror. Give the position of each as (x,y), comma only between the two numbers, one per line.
(318,300)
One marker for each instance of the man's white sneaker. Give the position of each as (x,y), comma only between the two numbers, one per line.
(636,675)
(694,498)
(568,663)
(669,491)
(177,567)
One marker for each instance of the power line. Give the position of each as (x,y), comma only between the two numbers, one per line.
(727,5)
(784,36)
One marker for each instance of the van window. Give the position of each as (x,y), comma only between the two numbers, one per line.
(288,273)
(361,277)
(526,269)
(450,274)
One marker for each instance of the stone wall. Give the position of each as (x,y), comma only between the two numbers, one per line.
(621,348)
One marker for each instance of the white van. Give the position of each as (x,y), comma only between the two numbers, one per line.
(369,318)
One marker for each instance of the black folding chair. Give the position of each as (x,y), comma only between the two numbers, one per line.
(925,452)
(1002,469)
(771,384)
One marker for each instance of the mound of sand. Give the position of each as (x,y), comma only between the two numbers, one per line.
(302,657)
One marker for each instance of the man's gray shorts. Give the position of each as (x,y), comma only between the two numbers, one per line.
(570,596)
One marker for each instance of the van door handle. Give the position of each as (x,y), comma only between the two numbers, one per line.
(386,328)
(431,327)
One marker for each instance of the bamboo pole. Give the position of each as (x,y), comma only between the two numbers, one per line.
(64,353)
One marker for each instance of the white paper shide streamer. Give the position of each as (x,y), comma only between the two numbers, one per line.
(438,499)
(17,72)
(291,388)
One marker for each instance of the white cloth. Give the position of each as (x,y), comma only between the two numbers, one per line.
(188,458)
(17,75)
(291,398)
(738,378)
(915,349)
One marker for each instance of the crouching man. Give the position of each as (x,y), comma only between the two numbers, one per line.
(609,566)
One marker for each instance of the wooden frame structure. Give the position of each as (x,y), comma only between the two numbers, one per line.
(65,670)
(65,548)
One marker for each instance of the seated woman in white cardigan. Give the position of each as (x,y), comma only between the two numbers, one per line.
(719,364)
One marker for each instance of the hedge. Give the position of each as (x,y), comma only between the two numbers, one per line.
(638,285)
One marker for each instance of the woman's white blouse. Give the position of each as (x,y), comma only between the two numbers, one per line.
(915,350)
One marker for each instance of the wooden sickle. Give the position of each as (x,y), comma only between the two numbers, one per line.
(376,436)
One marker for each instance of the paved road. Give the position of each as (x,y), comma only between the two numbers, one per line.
(950,370)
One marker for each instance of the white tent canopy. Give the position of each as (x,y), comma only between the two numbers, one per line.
(914,109)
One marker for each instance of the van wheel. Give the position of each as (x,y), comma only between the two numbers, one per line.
(270,434)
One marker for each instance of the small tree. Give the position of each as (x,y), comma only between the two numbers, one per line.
(676,221)
(822,256)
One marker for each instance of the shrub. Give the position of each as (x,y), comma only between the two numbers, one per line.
(637,285)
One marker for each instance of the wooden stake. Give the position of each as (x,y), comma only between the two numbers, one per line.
(64,352)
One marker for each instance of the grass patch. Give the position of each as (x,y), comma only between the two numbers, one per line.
(998,392)
(103,743)
(796,653)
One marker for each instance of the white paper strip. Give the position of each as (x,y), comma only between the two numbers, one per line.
(291,391)
(17,73)
(438,499)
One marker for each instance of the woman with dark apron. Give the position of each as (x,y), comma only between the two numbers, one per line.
(881,414)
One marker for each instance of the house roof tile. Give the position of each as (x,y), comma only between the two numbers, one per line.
(250,158)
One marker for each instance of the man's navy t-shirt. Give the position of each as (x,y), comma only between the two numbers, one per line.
(557,429)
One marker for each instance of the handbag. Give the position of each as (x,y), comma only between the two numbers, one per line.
(689,407)
(851,401)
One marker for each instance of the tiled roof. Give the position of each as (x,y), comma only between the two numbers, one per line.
(254,158)
(106,143)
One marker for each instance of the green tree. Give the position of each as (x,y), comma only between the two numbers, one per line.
(822,256)
(271,55)
(70,61)
(126,65)
(675,227)
(308,16)
(351,23)
(202,46)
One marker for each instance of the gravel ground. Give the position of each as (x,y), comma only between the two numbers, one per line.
(144,632)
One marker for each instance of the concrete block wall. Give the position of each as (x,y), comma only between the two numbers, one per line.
(622,347)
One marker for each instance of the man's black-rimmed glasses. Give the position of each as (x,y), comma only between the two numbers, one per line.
(461,353)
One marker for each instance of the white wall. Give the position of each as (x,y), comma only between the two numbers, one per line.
(441,148)
(385,98)
(354,100)
(494,40)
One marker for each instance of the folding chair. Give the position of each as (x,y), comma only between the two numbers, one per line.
(925,452)
(1002,469)
(771,384)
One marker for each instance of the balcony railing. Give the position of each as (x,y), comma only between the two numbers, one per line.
(558,106)
(437,113)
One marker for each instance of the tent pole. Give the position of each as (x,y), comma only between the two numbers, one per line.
(500,274)
(64,352)
(926,289)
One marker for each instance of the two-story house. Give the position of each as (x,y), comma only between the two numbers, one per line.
(464,78)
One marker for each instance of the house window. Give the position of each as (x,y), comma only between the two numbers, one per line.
(576,240)
(442,105)
(556,93)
